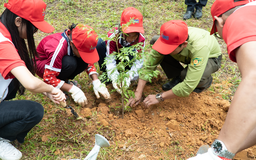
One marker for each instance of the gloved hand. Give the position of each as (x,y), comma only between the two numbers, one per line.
(208,155)
(98,87)
(78,95)
(115,85)
(126,83)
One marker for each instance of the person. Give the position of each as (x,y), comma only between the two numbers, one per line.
(194,8)
(180,43)
(238,32)
(127,35)
(64,55)
(19,21)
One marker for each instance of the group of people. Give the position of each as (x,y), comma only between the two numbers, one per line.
(59,57)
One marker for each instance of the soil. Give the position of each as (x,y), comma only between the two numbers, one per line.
(173,129)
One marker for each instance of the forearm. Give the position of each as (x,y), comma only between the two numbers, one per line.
(29,81)
(94,77)
(141,85)
(168,95)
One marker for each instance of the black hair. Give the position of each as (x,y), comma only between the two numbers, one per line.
(26,54)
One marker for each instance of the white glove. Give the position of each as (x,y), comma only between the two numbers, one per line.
(98,87)
(206,156)
(126,83)
(78,95)
(116,87)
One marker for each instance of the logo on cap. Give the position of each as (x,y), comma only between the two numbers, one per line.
(43,12)
(165,37)
(136,21)
(92,48)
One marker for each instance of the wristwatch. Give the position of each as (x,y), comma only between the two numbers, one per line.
(159,97)
(220,149)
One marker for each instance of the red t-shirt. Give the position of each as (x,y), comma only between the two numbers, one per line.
(240,28)
(9,57)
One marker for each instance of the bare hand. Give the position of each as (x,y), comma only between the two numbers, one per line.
(150,100)
(134,101)
(56,95)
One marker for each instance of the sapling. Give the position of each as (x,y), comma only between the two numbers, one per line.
(122,56)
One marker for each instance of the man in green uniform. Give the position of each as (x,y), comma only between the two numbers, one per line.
(177,43)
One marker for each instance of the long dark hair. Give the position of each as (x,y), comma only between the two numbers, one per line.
(26,54)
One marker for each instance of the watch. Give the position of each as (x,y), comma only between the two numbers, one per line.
(159,97)
(220,149)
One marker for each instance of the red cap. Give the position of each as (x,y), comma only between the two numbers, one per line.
(221,6)
(137,24)
(172,34)
(31,10)
(85,39)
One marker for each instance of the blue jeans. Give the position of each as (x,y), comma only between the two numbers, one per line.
(18,117)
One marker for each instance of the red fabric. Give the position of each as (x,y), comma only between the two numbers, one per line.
(223,158)
(91,69)
(239,30)
(51,50)
(50,77)
(33,11)
(9,57)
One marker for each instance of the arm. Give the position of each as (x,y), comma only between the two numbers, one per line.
(242,110)
(194,73)
(34,84)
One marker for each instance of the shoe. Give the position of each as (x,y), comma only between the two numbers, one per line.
(154,39)
(207,156)
(187,15)
(169,85)
(199,90)
(198,13)
(8,151)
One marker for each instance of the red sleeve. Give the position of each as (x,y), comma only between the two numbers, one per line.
(111,47)
(9,59)
(91,69)
(50,77)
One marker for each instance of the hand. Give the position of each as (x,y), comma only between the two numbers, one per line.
(135,101)
(98,87)
(116,87)
(56,95)
(78,95)
(150,100)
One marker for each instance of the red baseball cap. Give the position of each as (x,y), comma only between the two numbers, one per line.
(85,39)
(221,6)
(172,34)
(137,24)
(31,10)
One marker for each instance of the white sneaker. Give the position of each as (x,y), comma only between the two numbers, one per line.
(206,156)
(8,151)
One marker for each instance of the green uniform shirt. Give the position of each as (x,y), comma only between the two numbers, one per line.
(201,46)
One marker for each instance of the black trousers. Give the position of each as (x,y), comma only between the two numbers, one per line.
(71,66)
(191,4)
(173,68)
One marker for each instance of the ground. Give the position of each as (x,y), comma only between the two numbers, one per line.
(173,129)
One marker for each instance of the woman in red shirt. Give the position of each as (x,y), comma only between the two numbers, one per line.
(20,21)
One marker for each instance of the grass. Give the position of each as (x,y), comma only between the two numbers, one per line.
(56,137)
